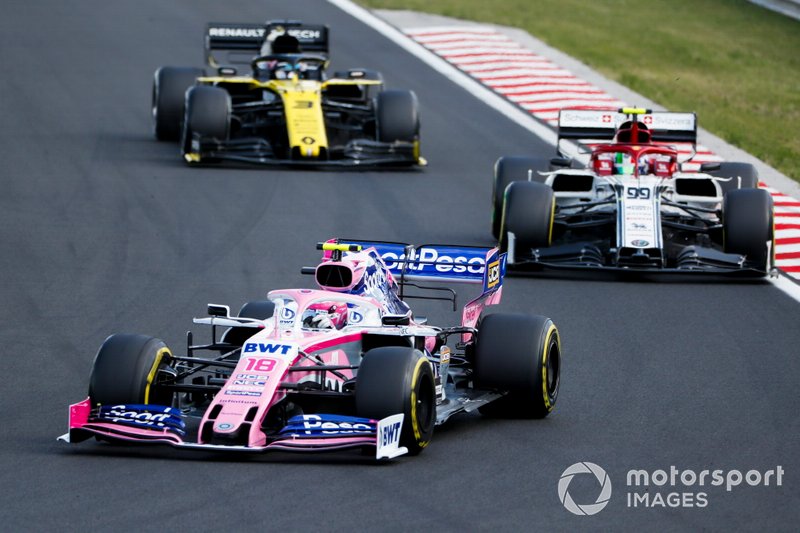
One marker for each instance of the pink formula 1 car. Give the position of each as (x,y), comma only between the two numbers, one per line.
(347,365)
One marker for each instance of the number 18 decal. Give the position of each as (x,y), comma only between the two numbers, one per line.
(638,193)
(260,365)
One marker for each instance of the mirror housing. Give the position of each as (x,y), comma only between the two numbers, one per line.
(219,310)
(710,167)
(560,162)
(396,320)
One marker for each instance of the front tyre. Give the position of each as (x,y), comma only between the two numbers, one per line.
(520,354)
(528,213)
(397,116)
(208,115)
(126,371)
(507,170)
(394,380)
(748,226)
(169,91)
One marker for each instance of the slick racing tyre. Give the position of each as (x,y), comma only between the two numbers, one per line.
(520,354)
(208,115)
(508,169)
(397,116)
(747,226)
(126,371)
(742,176)
(528,213)
(394,380)
(261,310)
(169,93)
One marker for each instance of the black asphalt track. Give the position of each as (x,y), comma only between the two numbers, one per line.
(104,230)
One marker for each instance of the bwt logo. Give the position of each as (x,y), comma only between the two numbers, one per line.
(590,508)
(390,434)
(267,348)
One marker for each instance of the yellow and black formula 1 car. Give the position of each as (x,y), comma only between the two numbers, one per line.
(284,110)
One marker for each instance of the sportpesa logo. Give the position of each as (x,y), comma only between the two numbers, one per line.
(585,509)
(428,258)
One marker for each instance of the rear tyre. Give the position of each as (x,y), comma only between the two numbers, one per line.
(125,371)
(394,380)
(748,229)
(528,213)
(208,115)
(169,93)
(745,172)
(261,310)
(397,116)
(508,169)
(520,354)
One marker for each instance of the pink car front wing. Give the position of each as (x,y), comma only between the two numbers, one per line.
(385,440)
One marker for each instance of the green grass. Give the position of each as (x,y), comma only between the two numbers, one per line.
(736,64)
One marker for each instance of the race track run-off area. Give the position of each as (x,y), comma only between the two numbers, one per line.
(542,88)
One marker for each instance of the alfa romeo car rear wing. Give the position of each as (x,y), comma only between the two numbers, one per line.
(603,125)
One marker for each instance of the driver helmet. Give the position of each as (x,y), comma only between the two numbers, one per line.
(325,315)
(644,165)
(282,69)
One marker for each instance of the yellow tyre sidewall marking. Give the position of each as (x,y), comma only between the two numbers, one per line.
(151,376)
(414,420)
(552,330)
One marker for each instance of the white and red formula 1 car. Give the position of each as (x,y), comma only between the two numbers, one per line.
(635,207)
